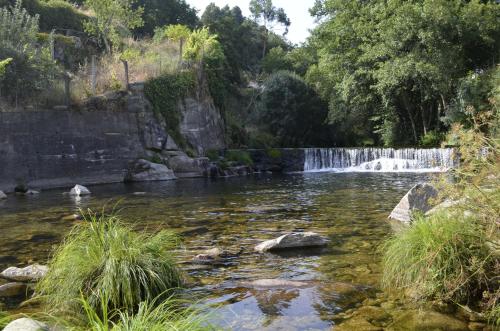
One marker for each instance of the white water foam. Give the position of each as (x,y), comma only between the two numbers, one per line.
(378,160)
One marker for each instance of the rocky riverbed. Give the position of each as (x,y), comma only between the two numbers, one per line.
(334,285)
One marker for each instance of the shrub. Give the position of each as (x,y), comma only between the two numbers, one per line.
(443,256)
(431,139)
(241,157)
(274,153)
(102,259)
(213,155)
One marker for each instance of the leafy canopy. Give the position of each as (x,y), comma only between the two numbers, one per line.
(112,18)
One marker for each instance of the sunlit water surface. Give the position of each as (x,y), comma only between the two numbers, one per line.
(350,209)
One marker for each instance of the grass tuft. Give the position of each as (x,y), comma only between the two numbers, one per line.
(443,256)
(102,259)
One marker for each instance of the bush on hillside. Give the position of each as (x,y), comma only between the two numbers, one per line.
(54,14)
(105,261)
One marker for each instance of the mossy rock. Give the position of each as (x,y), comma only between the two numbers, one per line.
(417,320)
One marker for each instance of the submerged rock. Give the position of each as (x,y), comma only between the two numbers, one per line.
(417,320)
(30,273)
(418,198)
(79,190)
(2,195)
(214,255)
(276,283)
(26,324)
(292,240)
(143,170)
(13,289)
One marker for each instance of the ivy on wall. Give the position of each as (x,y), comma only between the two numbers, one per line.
(164,93)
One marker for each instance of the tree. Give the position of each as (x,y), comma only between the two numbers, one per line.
(293,112)
(396,64)
(165,12)
(112,17)
(178,33)
(264,12)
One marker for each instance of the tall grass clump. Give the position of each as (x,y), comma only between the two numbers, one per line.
(454,253)
(102,259)
(443,256)
(156,315)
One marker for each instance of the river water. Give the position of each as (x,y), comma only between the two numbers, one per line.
(351,209)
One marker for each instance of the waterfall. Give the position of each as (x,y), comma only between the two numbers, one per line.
(379,159)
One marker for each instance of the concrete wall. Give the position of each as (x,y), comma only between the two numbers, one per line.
(58,148)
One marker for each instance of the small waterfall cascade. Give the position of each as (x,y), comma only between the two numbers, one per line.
(379,159)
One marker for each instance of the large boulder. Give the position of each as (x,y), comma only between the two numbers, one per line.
(79,190)
(30,273)
(26,324)
(2,195)
(292,240)
(419,198)
(185,166)
(143,170)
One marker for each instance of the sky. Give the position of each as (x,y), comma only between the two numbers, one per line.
(297,11)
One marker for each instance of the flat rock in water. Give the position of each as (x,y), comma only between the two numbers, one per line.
(13,290)
(292,240)
(276,283)
(26,324)
(79,190)
(30,273)
(418,198)
(2,195)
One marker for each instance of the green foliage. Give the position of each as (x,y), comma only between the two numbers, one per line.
(164,93)
(200,44)
(111,266)
(241,157)
(292,111)
(274,153)
(406,72)
(443,256)
(177,32)
(431,139)
(155,315)
(31,68)
(159,13)
(239,37)
(3,66)
(474,93)
(276,60)
(54,14)
(111,18)
(213,155)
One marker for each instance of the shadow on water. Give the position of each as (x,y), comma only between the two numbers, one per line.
(237,213)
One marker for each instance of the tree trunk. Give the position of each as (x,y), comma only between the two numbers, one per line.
(181,48)
(407,107)
(422,115)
